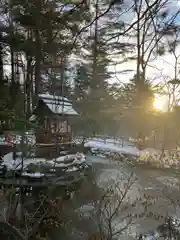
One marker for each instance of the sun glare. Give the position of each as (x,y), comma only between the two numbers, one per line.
(158,104)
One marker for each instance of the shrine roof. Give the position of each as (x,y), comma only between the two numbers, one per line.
(58,105)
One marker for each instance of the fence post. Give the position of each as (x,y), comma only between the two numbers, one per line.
(122,142)
(154,141)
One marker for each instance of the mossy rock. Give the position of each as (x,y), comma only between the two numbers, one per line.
(32,168)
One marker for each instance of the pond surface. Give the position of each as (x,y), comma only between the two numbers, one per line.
(162,187)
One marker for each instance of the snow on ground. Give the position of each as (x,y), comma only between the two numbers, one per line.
(35,175)
(167,159)
(110,146)
(72,162)
(11,164)
(16,139)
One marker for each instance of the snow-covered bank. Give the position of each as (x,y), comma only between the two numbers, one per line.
(118,148)
(153,157)
(67,163)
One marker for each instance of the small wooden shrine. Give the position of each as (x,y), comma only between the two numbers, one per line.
(53,115)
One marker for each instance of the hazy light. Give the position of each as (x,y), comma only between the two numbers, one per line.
(159,104)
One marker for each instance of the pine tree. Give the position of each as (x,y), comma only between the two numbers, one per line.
(91,90)
(42,34)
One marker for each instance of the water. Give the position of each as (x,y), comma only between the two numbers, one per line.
(161,187)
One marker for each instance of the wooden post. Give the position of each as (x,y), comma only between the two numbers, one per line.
(114,140)
(22,201)
(154,141)
(122,142)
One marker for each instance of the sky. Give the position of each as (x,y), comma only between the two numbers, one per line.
(161,68)
(160,71)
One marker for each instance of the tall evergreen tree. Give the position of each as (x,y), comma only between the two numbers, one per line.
(91,84)
(42,34)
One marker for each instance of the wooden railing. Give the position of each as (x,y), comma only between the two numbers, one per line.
(53,138)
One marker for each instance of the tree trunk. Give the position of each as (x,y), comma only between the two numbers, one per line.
(29,80)
(95,50)
(38,63)
(12,66)
(28,86)
(138,72)
(1,60)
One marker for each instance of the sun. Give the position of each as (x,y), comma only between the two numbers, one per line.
(158,104)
